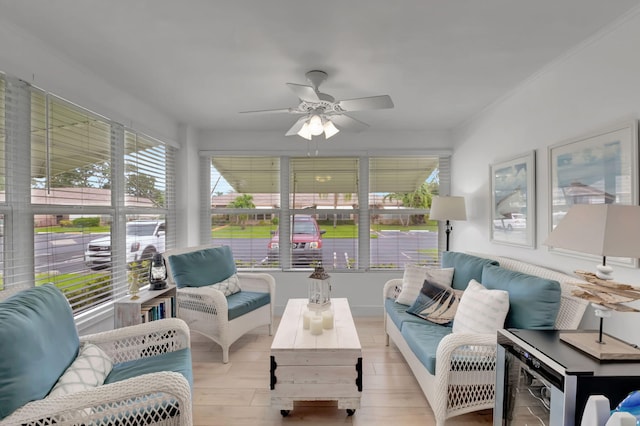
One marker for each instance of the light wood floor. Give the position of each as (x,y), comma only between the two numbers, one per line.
(237,393)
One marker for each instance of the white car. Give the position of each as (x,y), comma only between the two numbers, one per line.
(144,239)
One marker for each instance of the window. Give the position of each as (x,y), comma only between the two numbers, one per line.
(95,190)
(400,191)
(318,214)
(245,205)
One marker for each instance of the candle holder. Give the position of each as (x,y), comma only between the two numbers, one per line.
(319,290)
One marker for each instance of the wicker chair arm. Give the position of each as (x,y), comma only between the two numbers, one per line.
(204,300)
(147,395)
(456,344)
(256,281)
(142,340)
(392,288)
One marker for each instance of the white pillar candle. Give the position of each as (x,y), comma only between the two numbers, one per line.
(316,325)
(327,319)
(306,317)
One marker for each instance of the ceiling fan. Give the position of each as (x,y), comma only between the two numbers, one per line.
(321,112)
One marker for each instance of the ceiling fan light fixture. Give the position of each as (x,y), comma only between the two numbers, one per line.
(315,125)
(305,132)
(330,129)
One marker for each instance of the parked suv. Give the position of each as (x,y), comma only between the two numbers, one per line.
(306,242)
(144,239)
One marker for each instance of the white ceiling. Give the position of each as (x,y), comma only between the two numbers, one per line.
(203,61)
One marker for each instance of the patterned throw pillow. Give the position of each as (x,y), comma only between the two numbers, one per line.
(481,310)
(414,276)
(436,303)
(229,286)
(89,370)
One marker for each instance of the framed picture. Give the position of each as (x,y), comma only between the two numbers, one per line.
(598,168)
(513,201)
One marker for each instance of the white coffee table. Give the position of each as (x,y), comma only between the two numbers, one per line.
(326,367)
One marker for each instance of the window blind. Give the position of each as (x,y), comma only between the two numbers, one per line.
(86,176)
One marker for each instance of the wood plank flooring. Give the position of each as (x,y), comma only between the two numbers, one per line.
(237,393)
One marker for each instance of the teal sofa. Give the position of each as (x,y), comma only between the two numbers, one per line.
(51,375)
(456,371)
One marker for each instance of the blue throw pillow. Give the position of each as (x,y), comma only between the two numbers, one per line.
(436,303)
(466,267)
(202,267)
(534,302)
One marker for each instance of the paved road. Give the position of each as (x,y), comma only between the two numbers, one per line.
(65,252)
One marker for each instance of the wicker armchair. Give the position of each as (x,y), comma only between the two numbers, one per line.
(155,398)
(206,309)
(465,376)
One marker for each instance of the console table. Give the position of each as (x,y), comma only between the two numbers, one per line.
(559,377)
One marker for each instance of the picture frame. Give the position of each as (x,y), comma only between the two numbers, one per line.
(513,201)
(600,167)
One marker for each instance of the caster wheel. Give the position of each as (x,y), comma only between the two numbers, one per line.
(284,413)
(350,412)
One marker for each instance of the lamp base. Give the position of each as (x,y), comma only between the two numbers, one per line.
(611,349)
(604,272)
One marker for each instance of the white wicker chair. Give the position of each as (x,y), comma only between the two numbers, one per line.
(465,369)
(162,398)
(205,309)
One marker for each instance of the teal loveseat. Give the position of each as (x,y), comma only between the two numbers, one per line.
(50,375)
(456,371)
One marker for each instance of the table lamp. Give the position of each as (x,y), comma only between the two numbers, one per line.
(448,208)
(605,230)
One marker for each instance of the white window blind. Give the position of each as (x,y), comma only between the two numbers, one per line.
(86,180)
(387,230)
(245,202)
(400,191)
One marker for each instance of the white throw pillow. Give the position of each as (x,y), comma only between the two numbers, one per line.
(413,279)
(89,370)
(481,310)
(229,286)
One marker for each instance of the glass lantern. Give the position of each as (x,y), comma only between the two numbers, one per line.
(319,290)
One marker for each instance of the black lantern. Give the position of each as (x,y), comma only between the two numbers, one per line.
(157,272)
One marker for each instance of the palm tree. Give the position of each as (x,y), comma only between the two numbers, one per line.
(418,199)
(244,201)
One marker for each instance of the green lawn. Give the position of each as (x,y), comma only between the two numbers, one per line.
(340,231)
(83,230)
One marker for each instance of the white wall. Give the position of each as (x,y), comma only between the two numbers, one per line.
(28,58)
(593,87)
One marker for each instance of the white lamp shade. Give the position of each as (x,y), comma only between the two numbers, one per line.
(329,129)
(315,125)
(448,208)
(305,132)
(600,229)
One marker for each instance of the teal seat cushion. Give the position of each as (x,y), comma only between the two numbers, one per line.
(534,302)
(423,339)
(398,313)
(38,341)
(178,361)
(465,267)
(246,301)
(202,267)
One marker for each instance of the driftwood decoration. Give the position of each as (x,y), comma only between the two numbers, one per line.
(607,293)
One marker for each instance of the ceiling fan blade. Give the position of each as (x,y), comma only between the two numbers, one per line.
(347,122)
(269,111)
(296,126)
(305,93)
(373,102)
